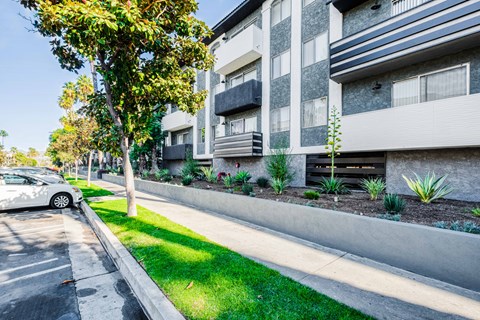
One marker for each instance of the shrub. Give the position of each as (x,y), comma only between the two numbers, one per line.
(242,177)
(393,203)
(374,186)
(190,167)
(467,226)
(168,178)
(311,194)
(278,164)
(391,217)
(228,181)
(145,174)
(247,189)
(278,185)
(334,186)
(187,180)
(209,174)
(262,182)
(161,174)
(430,188)
(252,194)
(476,212)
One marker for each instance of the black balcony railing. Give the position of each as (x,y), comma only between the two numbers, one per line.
(241,98)
(239,145)
(177,152)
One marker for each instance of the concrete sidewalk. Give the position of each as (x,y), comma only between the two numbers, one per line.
(373,288)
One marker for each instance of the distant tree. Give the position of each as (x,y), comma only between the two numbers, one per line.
(32,153)
(3,135)
(146,52)
(3,156)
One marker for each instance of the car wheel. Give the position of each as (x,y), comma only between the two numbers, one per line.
(60,201)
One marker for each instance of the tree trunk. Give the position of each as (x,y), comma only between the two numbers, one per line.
(141,163)
(76,170)
(70,169)
(129,179)
(154,159)
(89,172)
(100,159)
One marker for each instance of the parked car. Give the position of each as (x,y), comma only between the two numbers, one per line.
(19,190)
(41,173)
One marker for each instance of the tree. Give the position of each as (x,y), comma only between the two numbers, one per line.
(146,52)
(3,135)
(3,156)
(32,153)
(77,127)
(333,138)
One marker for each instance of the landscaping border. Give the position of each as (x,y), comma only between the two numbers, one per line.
(445,255)
(155,304)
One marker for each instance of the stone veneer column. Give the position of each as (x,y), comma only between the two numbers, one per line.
(296,76)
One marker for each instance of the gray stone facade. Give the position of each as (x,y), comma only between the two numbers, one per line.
(315,78)
(358,95)
(174,166)
(362,17)
(461,165)
(280,88)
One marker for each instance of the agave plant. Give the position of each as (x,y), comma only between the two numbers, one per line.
(429,188)
(374,186)
(209,174)
(334,186)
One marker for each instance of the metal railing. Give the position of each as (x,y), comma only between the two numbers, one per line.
(400,6)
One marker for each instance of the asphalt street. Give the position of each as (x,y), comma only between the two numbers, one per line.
(52,266)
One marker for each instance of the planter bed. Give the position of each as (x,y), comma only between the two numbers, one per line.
(358,202)
(445,255)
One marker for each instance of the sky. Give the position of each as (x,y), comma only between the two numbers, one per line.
(31,79)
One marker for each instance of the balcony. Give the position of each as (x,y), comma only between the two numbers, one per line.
(239,145)
(177,152)
(241,98)
(239,51)
(431,30)
(177,121)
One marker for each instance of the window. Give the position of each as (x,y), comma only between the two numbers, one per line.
(281,65)
(182,138)
(244,77)
(201,135)
(315,50)
(17,180)
(443,84)
(216,130)
(243,125)
(237,32)
(307,2)
(251,124)
(280,11)
(315,113)
(280,120)
(236,127)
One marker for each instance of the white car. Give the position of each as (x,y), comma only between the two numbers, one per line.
(40,172)
(21,191)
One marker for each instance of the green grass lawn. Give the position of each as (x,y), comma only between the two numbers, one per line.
(207,281)
(92,191)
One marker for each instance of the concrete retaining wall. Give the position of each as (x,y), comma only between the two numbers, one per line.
(445,255)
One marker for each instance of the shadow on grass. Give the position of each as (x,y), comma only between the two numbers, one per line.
(207,281)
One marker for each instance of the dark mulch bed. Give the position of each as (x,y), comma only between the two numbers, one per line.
(359,203)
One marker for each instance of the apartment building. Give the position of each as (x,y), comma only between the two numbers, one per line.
(405,75)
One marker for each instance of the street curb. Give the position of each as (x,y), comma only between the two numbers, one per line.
(155,304)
